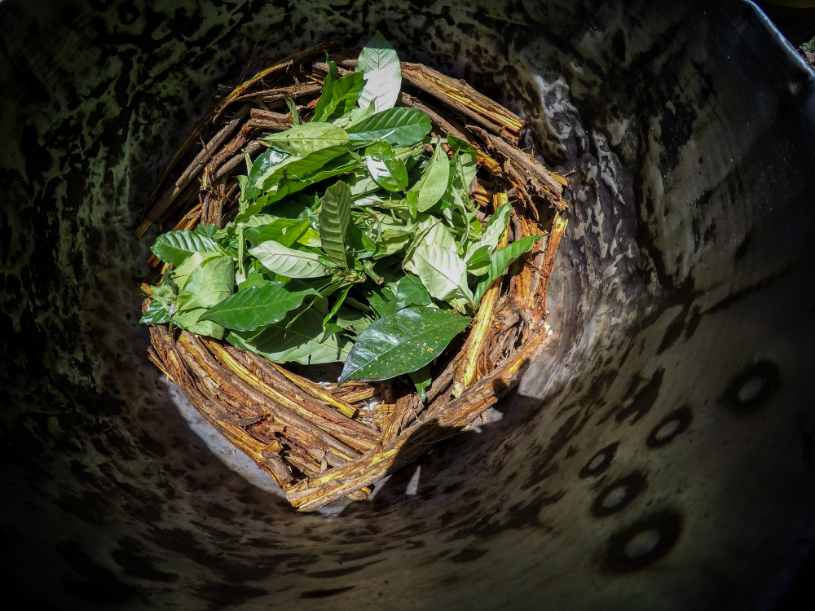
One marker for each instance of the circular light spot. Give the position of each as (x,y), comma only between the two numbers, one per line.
(644,542)
(671,426)
(618,494)
(614,497)
(749,390)
(600,461)
(641,544)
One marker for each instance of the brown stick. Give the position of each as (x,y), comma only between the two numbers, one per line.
(525,171)
(275,68)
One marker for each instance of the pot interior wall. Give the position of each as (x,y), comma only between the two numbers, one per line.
(658,456)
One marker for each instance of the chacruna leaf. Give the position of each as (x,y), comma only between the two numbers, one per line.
(256,307)
(436,262)
(303,341)
(433,183)
(501,260)
(306,138)
(339,94)
(175,246)
(335,219)
(387,171)
(383,74)
(398,126)
(289,262)
(401,343)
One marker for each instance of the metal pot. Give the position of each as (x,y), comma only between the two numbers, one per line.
(659,456)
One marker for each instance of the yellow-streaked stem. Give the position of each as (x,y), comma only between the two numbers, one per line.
(466,371)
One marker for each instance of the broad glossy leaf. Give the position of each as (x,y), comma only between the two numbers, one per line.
(402,343)
(385,169)
(175,246)
(399,126)
(302,342)
(436,262)
(300,173)
(335,219)
(289,262)
(263,168)
(255,307)
(264,227)
(383,75)
(211,281)
(433,182)
(501,260)
(306,138)
(339,94)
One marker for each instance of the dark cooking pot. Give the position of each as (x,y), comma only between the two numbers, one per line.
(659,456)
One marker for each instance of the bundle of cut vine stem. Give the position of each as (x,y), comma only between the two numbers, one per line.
(324,442)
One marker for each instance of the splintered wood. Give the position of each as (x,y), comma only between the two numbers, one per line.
(325,442)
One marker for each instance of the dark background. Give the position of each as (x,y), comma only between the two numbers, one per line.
(798,25)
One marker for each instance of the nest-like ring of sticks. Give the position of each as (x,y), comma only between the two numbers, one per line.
(319,442)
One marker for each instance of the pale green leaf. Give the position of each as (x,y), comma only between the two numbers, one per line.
(289,262)
(385,169)
(306,138)
(436,262)
(501,260)
(383,75)
(175,246)
(399,126)
(433,182)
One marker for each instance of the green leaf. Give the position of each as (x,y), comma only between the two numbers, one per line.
(156,314)
(422,380)
(466,161)
(204,283)
(383,75)
(263,168)
(335,218)
(304,342)
(399,126)
(410,292)
(339,95)
(298,173)
(295,114)
(433,183)
(256,307)
(478,252)
(352,320)
(387,171)
(337,305)
(501,260)
(402,343)
(307,138)
(175,246)
(436,262)
(264,227)
(289,262)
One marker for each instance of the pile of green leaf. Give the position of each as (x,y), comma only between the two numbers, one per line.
(356,239)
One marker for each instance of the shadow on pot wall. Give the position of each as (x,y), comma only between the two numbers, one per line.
(659,456)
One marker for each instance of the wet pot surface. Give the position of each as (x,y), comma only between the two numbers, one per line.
(658,455)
